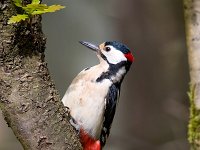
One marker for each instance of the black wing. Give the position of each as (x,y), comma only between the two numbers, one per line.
(111,102)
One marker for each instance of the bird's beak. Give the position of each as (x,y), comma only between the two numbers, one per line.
(90,46)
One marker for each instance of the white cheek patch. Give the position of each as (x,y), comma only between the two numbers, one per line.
(114,56)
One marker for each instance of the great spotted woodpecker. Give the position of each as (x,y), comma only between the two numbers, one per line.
(93,95)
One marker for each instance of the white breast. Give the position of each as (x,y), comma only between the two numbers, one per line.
(86,99)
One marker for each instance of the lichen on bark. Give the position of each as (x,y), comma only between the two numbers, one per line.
(194,122)
(192,21)
(28,99)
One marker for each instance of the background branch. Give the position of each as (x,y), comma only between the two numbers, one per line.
(192,18)
(28,98)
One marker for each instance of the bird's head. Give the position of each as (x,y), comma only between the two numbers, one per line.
(112,52)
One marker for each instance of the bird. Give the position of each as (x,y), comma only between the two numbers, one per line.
(93,95)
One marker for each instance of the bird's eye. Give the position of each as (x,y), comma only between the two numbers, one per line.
(107,49)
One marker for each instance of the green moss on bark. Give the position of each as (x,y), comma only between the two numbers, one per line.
(194,122)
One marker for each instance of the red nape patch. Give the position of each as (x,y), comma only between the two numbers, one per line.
(89,143)
(129,57)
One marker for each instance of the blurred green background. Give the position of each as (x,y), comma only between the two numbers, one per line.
(153,109)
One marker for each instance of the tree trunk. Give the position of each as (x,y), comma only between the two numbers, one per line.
(29,101)
(192,18)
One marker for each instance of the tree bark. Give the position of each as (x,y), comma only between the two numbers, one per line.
(28,99)
(192,19)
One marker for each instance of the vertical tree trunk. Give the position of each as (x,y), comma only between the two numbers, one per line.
(192,18)
(28,98)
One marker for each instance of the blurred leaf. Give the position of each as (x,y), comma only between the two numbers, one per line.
(30,8)
(52,8)
(18,3)
(17,18)
(35,2)
(35,8)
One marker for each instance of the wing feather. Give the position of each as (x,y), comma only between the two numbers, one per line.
(111,101)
